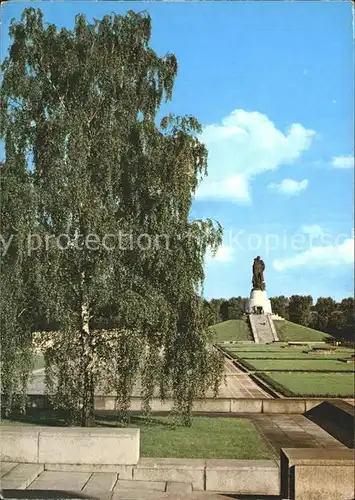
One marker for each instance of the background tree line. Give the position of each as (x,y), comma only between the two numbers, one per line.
(326,314)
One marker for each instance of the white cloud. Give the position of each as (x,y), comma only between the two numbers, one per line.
(289,187)
(313,230)
(343,161)
(319,256)
(246,144)
(233,188)
(224,253)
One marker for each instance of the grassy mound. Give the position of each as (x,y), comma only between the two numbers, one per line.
(289,332)
(233,329)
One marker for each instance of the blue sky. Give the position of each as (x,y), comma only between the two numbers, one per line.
(272,85)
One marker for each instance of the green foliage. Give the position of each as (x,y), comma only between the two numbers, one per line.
(16,283)
(342,319)
(224,310)
(215,305)
(280,305)
(324,307)
(234,308)
(299,309)
(104,180)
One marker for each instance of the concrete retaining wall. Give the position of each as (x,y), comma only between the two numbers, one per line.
(69,445)
(244,477)
(314,473)
(332,482)
(284,406)
(209,405)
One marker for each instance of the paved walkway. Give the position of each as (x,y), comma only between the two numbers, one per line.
(32,481)
(293,431)
(238,384)
(127,494)
(260,324)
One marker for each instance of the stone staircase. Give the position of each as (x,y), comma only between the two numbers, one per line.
(262,328)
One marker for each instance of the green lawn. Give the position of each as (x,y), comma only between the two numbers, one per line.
(288,332)
(287,359)
(207,438)
(215,438)
(233,329)
(311,384)
(300,364)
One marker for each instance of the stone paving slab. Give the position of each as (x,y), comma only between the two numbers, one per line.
(100,481)
(294,431)
(66,481)
(123,471)
(5,467)
(21,476)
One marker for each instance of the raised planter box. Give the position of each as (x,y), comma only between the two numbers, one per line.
(69,445)
(317,473)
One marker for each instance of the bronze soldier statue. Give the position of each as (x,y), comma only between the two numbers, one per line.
(258,274)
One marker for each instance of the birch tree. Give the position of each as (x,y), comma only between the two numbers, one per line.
(111,189)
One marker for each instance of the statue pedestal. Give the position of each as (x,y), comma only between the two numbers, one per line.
(258,302)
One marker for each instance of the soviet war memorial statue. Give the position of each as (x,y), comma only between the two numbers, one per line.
(258,274)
